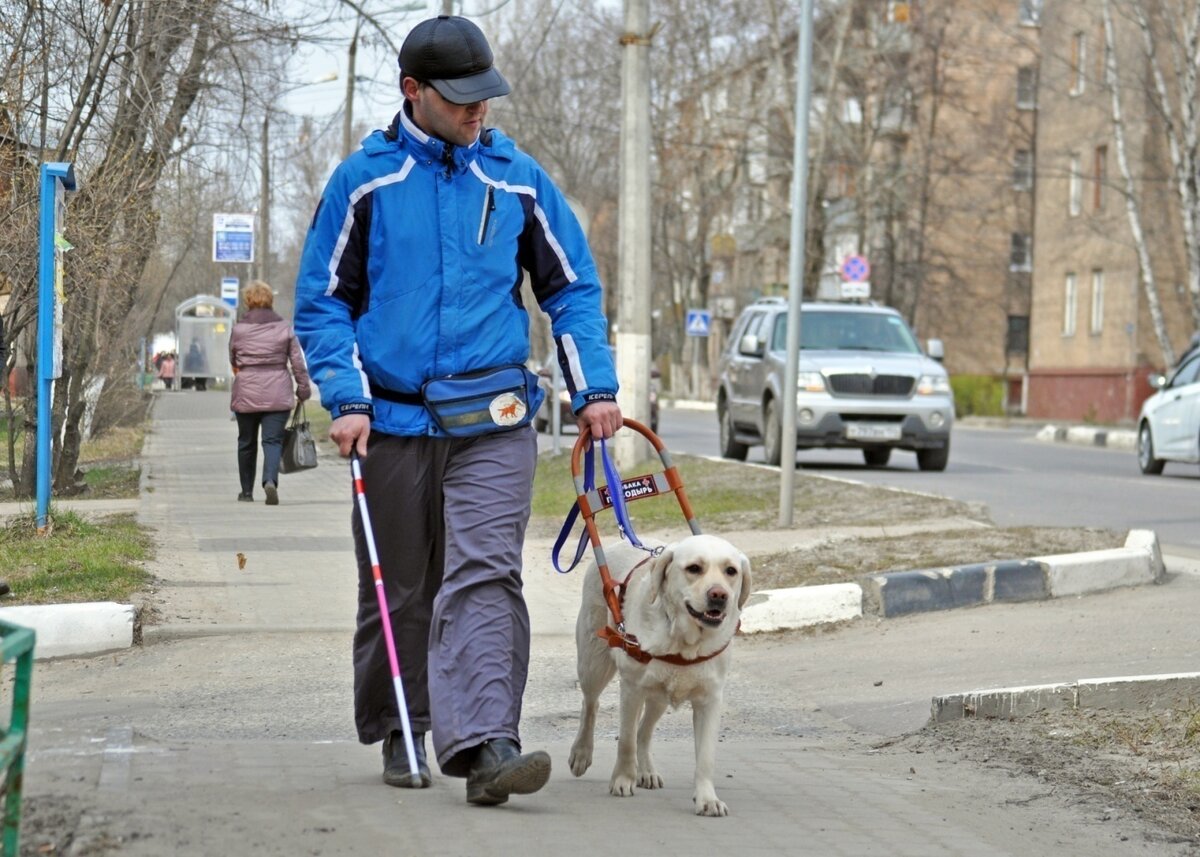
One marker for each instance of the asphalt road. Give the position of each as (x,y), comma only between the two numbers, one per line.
(1023,481)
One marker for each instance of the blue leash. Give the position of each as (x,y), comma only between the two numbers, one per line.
(616,496)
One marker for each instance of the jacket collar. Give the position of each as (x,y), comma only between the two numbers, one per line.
(403,133)
(426,147)
(261,315)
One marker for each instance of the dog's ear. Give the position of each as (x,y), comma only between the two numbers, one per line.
(744,592)
(658,571)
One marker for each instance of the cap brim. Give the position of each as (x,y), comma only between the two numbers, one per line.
(476,87)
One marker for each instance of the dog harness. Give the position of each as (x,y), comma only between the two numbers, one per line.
(619,638)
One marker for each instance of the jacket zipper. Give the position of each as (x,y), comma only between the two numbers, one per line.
(489,205)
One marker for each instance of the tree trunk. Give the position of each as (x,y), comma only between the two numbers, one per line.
(1132,209)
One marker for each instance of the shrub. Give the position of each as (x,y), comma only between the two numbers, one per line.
(978,395)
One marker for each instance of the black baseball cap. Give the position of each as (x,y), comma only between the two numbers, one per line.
(453,56)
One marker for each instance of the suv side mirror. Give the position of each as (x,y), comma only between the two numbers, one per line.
(752,346)
(1157,380)
(936,350)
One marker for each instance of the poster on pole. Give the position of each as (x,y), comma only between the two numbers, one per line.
(233,238)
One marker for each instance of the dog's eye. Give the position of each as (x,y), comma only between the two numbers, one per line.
(731,572)
(694,568)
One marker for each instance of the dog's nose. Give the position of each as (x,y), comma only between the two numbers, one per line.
(717,596)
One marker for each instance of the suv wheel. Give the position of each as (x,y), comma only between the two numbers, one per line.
(1149,465)
(934,459)
(877,456)
(730,448)
(772,434)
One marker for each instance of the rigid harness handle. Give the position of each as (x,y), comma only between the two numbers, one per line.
(591,500)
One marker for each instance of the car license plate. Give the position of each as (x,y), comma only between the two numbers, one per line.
(872,431)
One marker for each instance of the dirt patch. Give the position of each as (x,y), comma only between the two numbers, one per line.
(1140,763)
(843,560)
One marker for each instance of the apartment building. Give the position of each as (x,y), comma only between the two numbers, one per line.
(1092,338)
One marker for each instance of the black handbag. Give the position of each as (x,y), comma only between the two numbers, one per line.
(299,446)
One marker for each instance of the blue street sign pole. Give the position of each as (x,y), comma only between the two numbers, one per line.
(56,178)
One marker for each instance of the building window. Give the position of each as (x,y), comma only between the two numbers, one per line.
(1027,87)
(1070,298)
(1075,185)
(1097,302)
(1030,12)
(1017,341)
(1023,170)
(1020,257)
(1078,58)
(1099,177)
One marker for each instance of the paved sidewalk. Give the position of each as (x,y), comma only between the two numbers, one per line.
(230,731)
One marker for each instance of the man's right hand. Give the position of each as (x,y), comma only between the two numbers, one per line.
(351,431)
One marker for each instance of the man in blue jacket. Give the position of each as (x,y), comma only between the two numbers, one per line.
(411,272)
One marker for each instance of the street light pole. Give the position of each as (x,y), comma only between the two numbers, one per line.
(799,240)
(264,203)
(348,116)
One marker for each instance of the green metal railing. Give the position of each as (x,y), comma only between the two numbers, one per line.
(16,644)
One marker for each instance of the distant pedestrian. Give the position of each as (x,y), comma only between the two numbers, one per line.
(166,370)
(269,375)
(195,363)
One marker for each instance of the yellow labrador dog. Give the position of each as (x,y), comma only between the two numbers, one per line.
(683,602)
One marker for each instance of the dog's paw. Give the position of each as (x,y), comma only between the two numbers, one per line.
(649,780)
(710,805)
(580,760)
(621,786)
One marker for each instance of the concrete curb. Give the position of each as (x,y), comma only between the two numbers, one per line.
(73,630)
(1089,436)
(1125,692)
(925,590)
(801,606)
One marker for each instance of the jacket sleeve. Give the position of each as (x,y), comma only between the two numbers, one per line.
(332,291)
(299,371)
(555,252)
(233,343)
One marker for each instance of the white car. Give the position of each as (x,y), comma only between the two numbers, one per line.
(1169,424)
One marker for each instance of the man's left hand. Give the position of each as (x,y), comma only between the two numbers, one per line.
(600,419)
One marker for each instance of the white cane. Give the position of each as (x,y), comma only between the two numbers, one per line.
(361,496)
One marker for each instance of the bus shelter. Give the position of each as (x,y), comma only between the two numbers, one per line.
(202,328)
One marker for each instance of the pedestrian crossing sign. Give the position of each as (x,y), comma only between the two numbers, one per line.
(699,322)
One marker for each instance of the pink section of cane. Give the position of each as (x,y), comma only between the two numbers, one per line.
(360,497)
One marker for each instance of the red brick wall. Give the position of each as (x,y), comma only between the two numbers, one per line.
(1100,395)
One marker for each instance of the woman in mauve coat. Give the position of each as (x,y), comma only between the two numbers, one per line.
(265,357)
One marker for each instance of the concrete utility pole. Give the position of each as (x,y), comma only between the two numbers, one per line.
(787,464)
(633,314)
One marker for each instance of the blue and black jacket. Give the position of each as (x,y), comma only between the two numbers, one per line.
(412,270)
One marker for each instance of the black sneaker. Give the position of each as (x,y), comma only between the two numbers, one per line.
(245,497)
(499,770)
(395,762)
(272,494)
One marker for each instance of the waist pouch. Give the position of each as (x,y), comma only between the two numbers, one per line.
(484,402)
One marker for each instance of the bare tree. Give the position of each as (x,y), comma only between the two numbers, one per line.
(137,105)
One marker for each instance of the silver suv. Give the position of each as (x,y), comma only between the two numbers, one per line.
(864,383)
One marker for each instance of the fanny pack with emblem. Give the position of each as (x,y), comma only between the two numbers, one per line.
(475,403)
